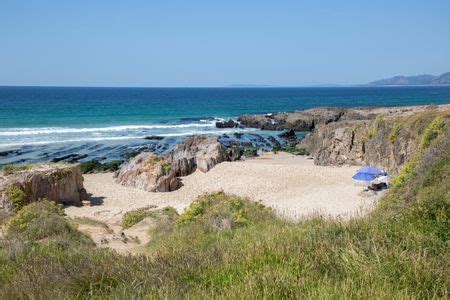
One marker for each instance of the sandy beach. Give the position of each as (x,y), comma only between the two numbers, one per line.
(292,185)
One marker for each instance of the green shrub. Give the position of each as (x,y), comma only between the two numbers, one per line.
(356,127)
(153,160)
(9,169)
(42,219)
(131,218)
(166,166)
(17,197)
(436,127)
(219,210)
(394,133)
(61,174)
(94,166)
(371,133)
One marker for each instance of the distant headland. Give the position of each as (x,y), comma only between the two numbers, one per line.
(424,79)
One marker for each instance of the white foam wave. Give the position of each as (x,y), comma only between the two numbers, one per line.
(61,130)
(118,138)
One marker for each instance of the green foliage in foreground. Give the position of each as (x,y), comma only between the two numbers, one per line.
(133,217)
(398,251)
(17,197)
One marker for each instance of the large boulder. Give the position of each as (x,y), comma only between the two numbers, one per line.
(149,172)
(153,173)
(61,183)
(197,152)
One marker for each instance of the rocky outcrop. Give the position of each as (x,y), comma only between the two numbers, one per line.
(304,120)
(149,172)
(197,152)
(60,183)
(227,124)
(307,120)
(288,135)
(153,173)
(387,141)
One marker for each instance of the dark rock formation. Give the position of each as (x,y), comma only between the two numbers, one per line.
(304,120)
(154,138)
(227,124)
(288,135)
(60,183)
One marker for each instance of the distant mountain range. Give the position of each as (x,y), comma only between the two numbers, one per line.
(424,79)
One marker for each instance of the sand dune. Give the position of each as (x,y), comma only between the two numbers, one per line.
(292,185)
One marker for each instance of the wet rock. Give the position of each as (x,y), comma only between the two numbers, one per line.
(227,124)
(288,135)
(72,158)
(154,138)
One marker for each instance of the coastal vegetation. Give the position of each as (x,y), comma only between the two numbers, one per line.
(17,196)
(227,246)
(9,169)
(95,166)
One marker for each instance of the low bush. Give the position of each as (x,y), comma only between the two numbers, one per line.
(40,220)
(17,196)
(436,127)
(9,169)
(95,166)
(133,217)
(394,133)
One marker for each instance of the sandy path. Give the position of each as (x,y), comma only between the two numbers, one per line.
(292,185)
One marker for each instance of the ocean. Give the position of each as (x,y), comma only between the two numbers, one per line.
(39,123)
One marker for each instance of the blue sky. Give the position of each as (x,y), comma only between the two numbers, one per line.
(218,43)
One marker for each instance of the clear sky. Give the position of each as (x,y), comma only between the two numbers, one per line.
(218,43)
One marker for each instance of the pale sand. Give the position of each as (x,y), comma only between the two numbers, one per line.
(292,185)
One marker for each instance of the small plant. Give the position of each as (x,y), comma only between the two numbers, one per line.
(153,160)
(9,169)
(17,197)
(371,133)
(356,128)
(131,218)
(394,133)
(166,166)
(436,127)
(61,174)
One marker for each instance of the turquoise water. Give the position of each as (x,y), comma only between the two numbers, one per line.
(44,115)
(79,124)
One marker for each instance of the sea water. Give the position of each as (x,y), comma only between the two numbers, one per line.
(42,120)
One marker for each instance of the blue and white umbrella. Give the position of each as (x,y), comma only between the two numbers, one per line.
(364,176)
(371,170)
